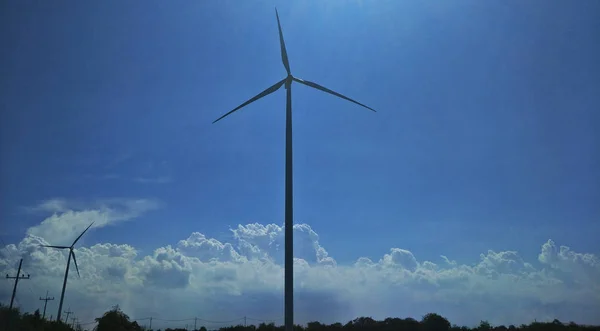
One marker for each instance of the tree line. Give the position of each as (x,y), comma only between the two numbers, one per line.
(116,320)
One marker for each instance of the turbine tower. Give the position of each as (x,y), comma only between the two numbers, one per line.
(71,253)
(289,205)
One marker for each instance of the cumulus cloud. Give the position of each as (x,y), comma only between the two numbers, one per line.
(207,249)
(69,218)
(203,277)
(267,241)
(565,259)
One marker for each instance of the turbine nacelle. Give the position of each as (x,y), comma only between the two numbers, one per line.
(289,79)
(71,249)
(289,214)
(71,254)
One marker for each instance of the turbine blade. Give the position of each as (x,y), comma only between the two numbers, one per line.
(82,234)
(284,56)
(75,260)
(324,89)
(258,96)
(52,246)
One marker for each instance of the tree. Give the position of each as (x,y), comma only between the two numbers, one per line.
(314,326)
(266,327)
(116,320)
(484,326)
(37,315)
(435,322)
(364,322)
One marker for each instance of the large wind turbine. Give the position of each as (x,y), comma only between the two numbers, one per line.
(289,205)
(71,253)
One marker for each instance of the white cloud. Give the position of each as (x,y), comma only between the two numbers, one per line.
(55,205)
(267,241)
(206,278)
(69,218)
(564,259)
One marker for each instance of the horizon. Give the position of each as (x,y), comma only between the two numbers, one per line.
(471,193)
(256,324)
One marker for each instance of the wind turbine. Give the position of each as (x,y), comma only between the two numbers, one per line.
(71,253)
(289,205)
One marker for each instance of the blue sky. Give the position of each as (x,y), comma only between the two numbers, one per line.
(485,135)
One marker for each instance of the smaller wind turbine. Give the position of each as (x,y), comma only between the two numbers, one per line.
(71,253)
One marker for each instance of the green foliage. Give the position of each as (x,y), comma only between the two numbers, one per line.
(435,322)
(117,320)
(484,326)
(13,320)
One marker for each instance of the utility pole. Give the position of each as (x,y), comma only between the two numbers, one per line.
(68,312)
(195,319)
(73,319)
(45,303)
(150,323)
(245,321)
(16,278)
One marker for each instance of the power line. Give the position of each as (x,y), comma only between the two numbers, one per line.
(68,312)
(168,320)
(265,320)
(195,319)
(13,258)
(16,278)
(45,303)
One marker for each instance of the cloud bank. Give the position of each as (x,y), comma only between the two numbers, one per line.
(218,281)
